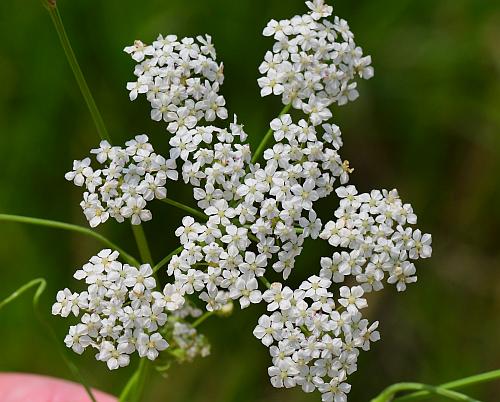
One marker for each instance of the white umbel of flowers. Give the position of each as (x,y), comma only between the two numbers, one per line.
(127,179)
(181,80)
(313,62)
(121,312)
(258,215)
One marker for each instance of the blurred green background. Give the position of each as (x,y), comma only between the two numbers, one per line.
(428,123)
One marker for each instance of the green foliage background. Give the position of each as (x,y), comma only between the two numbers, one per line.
(428,123)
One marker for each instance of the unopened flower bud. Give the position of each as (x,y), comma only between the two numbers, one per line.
(226,310)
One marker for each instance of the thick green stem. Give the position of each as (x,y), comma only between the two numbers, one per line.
(142,244)
(51,7)
(133,389)
(130,386)
(263,144)
(40,285)
(463,382)
(73,228)
(167,259)
(144,366)
(190,210)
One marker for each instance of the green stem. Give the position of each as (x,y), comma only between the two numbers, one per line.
(265,282)
(71,227)
(41,284)
(51,6)
(190,210)
(142,244)
(252,237)
(388,394)
(463,382)
(167,259)
(144,367)
(133,389)
(202,318)
(129,387)
(267,137)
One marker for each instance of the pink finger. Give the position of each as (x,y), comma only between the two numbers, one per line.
(18,387)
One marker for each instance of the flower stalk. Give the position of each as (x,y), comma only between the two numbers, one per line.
(188,209)
(68,226)
(53,11)
(167,259)
(263,144)
(203,318)
(463,382)
(133,389)
(388,394)
(142,244)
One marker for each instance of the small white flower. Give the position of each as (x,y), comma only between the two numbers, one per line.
(403,274)
(246,290)
(67,303)
(114,357)
(283,374)
(77,338)
(81,170)
(351,298)
(267,330)
(150,345)
(139,279)
(135,210)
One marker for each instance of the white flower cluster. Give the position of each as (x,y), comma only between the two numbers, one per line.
(121,311)
(258,215)
(128,179)
(243,202)
(316,343)
(372,226)
(181,80)
(313,62)
(300,169)
(312,343)
(262,205)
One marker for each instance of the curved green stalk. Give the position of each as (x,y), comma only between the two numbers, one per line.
(267,137)
(41,284)
(51,7)
(70,227)
(190,210)
(142,244)
(167,259)
(388,394)
(463,382)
